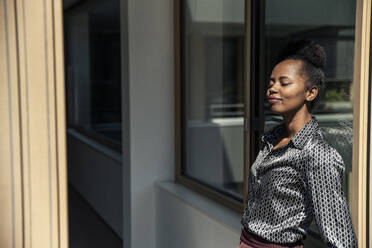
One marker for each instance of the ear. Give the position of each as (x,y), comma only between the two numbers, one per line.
(311,93)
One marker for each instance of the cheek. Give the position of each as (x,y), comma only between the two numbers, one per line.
(293,95)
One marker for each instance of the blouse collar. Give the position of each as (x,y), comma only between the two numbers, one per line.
(299,140)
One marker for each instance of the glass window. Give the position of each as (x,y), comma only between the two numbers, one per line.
(332,25)
(93,79)
(212,35)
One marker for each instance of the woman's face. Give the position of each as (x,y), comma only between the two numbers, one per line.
(286,89)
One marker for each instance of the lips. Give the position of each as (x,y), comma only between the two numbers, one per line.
(273,100)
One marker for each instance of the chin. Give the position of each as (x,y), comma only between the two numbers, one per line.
(275,110)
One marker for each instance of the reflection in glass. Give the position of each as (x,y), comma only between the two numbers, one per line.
(212,34)
(92,52)
(334,30)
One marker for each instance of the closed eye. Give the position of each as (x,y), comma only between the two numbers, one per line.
(282,84)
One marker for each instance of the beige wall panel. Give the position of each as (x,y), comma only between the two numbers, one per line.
(60,122)
(361,78)
(33,183)
(39,207)
(38,105)
(10,169)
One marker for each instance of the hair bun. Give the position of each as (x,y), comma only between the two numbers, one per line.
(308,49)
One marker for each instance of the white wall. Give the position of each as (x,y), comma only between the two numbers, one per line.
(187,220)
(148,153)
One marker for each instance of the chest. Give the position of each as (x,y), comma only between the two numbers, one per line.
(284,163)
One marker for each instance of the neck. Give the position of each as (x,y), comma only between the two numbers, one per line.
(296,120)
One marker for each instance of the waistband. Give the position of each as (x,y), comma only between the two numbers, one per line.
(256,241)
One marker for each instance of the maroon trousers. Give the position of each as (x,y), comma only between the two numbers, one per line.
(250,240)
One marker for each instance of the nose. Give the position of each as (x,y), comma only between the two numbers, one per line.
(274,88)
(272,91)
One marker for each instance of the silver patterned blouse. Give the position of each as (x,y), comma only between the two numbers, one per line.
(291,185)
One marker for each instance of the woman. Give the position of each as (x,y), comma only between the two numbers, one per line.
(297,176)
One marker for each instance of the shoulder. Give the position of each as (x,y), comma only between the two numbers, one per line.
(319,153)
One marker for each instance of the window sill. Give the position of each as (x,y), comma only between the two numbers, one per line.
(114,155)
(212,209)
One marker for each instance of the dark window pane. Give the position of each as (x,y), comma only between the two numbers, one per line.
(212,79)
(93,79)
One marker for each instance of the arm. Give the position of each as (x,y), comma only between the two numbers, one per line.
(324,179)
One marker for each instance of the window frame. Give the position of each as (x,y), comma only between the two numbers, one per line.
(214,194)
(203,189)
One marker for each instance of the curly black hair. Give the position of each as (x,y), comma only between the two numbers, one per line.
(313,59)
